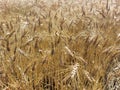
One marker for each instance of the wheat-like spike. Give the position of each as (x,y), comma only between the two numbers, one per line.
(22,52)
(87,74)
(69,51)
(74,70)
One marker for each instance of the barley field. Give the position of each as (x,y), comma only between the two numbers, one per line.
(59,44)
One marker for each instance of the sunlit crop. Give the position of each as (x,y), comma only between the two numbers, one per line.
(59,45)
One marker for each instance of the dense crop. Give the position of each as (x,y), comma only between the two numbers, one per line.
(63,45)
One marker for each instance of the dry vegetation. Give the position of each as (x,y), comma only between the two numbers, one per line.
(65,45)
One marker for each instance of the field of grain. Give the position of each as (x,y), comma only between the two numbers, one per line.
(60,45)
